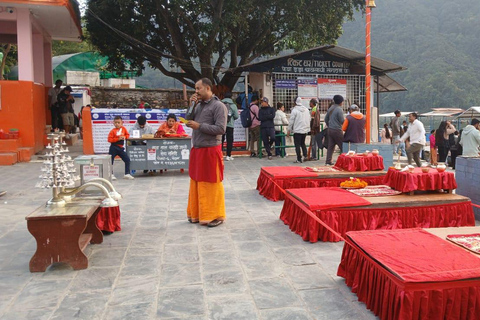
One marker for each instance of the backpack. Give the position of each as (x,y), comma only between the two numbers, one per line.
(246,117)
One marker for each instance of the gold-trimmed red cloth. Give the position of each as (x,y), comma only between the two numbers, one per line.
(206,164)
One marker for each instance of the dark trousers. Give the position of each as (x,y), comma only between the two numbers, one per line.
(119,151)
(279,141)
(299,141)
(55,118)
(335,138)
(229,135)
(442,153)
(268,138)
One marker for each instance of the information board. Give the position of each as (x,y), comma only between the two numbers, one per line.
(160,154)
(327,88)
(102,122)
(138,157)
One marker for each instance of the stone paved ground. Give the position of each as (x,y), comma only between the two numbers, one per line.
(162,267)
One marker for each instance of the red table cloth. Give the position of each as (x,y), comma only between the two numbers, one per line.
(405,181)
(273,181)
(389,272)
(360,162)
(298,217)
(108,219)
(327,198)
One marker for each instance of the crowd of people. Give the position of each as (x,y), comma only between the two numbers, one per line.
(445,140)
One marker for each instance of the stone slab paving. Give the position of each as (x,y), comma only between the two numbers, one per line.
(162,267)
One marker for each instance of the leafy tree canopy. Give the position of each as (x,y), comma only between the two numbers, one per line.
(199,35)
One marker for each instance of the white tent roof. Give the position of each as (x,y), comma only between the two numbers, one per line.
(472,112)
(392,114)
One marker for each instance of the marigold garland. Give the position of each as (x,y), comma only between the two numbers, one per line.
(353,183)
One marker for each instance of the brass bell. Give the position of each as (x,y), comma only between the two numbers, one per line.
(371,3)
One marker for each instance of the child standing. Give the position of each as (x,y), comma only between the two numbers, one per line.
(117,137)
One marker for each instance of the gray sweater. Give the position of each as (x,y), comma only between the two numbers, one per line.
(334,118)
(212,116)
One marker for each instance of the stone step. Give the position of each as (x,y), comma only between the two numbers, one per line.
(8,158)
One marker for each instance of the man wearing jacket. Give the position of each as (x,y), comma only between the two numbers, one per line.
(354,126)
(334,120)
(299,124)
(470,140)
(231,117)
(266,114)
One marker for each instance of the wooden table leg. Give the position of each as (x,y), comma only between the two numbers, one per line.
(58,240)
(97,235)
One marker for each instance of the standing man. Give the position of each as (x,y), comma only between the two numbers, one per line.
(470,139)
(52,103)
(397,133)
(334,120)
(254,129)
(65,103)
(267,128)
(208,118)
(416,132)
(354,126)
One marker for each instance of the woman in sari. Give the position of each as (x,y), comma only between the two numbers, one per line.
(171,126)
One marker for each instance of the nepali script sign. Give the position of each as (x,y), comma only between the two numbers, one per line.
(293,65)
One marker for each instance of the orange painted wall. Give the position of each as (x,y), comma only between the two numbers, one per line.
(23,108)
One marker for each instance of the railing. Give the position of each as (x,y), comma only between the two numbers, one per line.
(282,147)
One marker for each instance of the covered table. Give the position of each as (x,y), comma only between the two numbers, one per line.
(273,181)
(389,272)
(360,162)
(302,215)
(405,181)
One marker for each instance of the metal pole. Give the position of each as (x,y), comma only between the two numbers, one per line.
(368,79)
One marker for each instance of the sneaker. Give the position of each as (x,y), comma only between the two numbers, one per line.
(298,161)
(229,158)
(113,177)
(128,176)
(253,155)
(329,164)
(270,158)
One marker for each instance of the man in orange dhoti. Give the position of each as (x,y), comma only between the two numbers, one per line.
(208,118)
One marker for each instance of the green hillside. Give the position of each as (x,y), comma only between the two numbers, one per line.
(437,40)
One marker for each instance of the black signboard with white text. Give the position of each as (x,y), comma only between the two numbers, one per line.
(158,154)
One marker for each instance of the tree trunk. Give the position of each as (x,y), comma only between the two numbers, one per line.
(4,59)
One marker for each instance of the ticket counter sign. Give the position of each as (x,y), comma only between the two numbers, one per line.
(328,88)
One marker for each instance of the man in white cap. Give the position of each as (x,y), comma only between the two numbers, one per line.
(299,124)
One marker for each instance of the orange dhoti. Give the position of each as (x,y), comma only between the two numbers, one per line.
(206,198)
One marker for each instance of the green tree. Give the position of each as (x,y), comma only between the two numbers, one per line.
(8,58)
(199,36)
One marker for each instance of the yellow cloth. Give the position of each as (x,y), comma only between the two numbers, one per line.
(206,201)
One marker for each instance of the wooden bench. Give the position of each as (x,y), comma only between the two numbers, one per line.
(62,233)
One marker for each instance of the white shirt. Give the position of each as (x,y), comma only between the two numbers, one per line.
(416,132)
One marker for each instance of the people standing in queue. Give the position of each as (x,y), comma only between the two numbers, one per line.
(416,133)
(334,121)
(266,114)
(231,117)
(354,125)
(299,125)
(280,121)
(117,137)
(53,105)
(208,118)
(254,129)
(315,124)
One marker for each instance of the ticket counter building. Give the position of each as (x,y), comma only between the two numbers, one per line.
(31,25)
(321,73)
